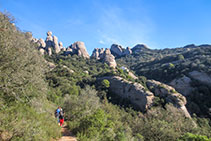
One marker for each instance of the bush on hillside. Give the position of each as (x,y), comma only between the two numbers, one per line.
(25,112)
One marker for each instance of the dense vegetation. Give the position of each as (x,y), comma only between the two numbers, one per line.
(30,92)
(165,65)
(92,114)
(169,64)
(26,114)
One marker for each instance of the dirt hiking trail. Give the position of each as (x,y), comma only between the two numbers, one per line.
(66,134)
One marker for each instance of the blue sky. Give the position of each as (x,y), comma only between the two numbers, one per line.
(100,23)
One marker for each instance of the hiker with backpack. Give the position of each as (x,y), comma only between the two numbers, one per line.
(61,118)
(59,115)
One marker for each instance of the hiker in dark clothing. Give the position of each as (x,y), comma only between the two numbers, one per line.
(61,118)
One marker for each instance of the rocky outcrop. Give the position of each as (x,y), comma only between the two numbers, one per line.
(118,50)
(127,51)
(134,92)
(79,49)
(109,59)
(42,51)
(61,46)
(142,98)
(140,48)
(70,71)
(105,56)
(169,94)
(49,40)
(56,44)
(50,65)
(182,85)
(51,45)
(201,76)
(41,43)
(52,42)
(49,51)
(97,53)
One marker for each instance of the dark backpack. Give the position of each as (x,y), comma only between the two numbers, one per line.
(61,115)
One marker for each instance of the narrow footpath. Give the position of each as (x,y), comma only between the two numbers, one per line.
(66,135)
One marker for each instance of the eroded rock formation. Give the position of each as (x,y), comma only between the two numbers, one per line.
(97,53)
(182,85)
(201,77)
(118,50)
(134,92)
(109,59)
(127,51)
(56,44)
(78,48)
(169,94)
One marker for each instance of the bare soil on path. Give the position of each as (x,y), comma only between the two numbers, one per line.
(66,134)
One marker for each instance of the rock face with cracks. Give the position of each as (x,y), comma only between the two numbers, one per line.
(109,59)
(79,48)
(97,53)
(134,92)
(169,94)
(118,50)
(143,98)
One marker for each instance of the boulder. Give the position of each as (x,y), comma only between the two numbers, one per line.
(134,92)
(63,49)
(80,49)
(201,76)
(127,51)
(182,85)
(42,51)
(56,44)
(97,53)
(60,44)
(49,51)
(87,72)
(116,50)
(49,40)
(34,40)
(169,94)
(71,71)
(41,43)
(109,59)
(49,33)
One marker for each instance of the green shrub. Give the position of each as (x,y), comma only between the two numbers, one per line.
(94,126)
(193,137)
(25,123)
(105,83)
